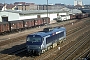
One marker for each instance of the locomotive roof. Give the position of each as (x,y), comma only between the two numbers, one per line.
(43,34)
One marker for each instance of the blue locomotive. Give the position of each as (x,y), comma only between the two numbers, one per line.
(40,41)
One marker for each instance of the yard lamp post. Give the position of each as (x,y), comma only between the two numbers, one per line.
(47,12)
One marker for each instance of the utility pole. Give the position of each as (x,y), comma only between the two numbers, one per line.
(47,12)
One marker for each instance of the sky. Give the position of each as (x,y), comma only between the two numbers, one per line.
(67,2)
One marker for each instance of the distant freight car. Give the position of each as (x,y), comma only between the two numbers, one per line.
(28,23)
(4,27)
(85,15)
(81,16)
(72,16)
(46,20)
(37,21)
(39,42)
(18,25)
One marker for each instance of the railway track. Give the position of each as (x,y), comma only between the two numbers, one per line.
(65,43)
(10,52)
(76,29)
(18,57)
(75,35)
(49,54)
(82,54)
(23,35)
(71,52)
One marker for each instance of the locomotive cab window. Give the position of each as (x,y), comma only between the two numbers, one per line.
(34,39)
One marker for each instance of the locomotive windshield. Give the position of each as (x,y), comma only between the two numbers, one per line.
(34,39)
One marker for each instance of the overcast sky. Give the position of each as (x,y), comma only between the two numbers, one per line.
(45,1)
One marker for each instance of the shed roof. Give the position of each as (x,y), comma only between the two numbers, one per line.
(35,11)
(28,12)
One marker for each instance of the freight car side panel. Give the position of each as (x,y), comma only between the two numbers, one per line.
(16,25)
(20,25)
(27,23)
(37,22)
(4,27)
(12,26)
(72,16)
(32,23)
(1,29)
(46,20)
(40,21)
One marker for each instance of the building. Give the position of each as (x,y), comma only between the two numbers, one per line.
(8,7)
(75,2)
(87,6)
(85,10)
(78,7)
(23,7)
(78,2)
(33,7)
(44,7)
(11,15)
(16,3)
(50,7)
(26,7)
(7,16)
(1,6)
